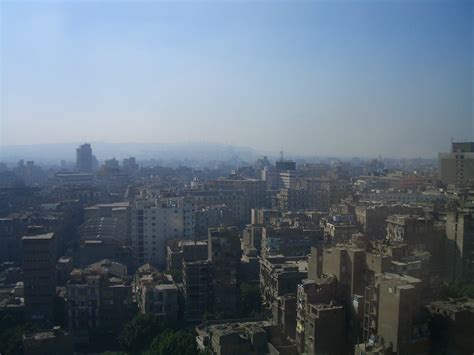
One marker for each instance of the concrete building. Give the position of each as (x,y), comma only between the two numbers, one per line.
(289,241)
(324,329)
(280,275)
(156,293)
(393,313)
(212,217)
(340,231)
(415,231)
(154,222)
(310,292)
(293,199)
(130,165)
(179,251)
(373,217)
(98,297)
(284,315)
(224,254)
(48,342)
(118,212)
(254,190)
(457,167)
(84,160)
(459,246)
(198,289)
(347,264)
(237,201)
(252,240)
(12,229)
(250,338)
(262,216)
(39,272)
(451,326)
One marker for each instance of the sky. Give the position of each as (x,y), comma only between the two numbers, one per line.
(348,78)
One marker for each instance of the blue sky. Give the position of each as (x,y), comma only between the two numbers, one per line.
(320,78)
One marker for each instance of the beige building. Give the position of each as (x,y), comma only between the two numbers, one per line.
(393,314)
(457,167)
(156,293)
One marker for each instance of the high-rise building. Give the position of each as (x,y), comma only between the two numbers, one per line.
(457,167)
(393,314)
(197,287)
(459,258)
(154,222)
(39,268)
(225,254)
(84,160)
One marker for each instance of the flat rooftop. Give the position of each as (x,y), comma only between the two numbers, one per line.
(46,236)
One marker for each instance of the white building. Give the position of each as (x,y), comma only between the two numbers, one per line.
(154,221)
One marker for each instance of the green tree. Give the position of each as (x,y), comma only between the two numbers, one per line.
(138,334)
(170,342)
(11,340)
(457,289)
(11,335)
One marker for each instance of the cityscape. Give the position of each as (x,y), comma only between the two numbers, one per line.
(236,177)
(272,257)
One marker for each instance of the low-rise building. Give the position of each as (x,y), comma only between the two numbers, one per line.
(54,341)
(451,326)
(156,293)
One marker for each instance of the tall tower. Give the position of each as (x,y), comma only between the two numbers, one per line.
(84,160)
(39,267)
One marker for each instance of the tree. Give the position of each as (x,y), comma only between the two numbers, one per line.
(11,340)
(138,334)
(170,342)
(457,289)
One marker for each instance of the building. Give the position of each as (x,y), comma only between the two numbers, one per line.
(54,341)
(325,329)
(154,222)
(184,250)
(451,326)
(39,272)
(254,191)
(310,292)
(347,264)
(373,217)
(130,165)
(393,314)
(197,286)
(75,178)
(459,246)
(289,241)
(98,297)
(156,293)
(413,230)
(280,276)
(252,240)
(340,230)
(84,160)
(225,254)
(457,167)
(12,229)
(262,216)
(249,338)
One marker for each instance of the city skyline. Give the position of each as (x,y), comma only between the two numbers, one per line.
(390,78)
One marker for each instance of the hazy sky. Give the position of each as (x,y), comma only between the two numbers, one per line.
(337,77)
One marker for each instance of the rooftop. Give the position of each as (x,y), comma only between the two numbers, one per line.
(46,236)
